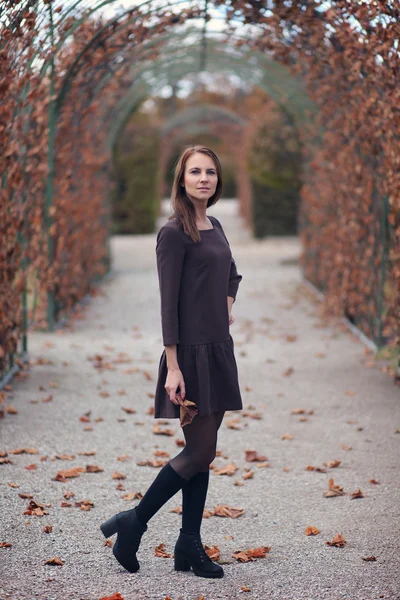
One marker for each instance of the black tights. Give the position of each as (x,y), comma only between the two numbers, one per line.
(188,470)
(201,444)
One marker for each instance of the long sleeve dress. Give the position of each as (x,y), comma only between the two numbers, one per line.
(195,279)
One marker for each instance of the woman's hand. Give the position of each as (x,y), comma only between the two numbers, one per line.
(231,319)
(173,381)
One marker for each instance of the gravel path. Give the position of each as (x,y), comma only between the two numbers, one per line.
(106,360)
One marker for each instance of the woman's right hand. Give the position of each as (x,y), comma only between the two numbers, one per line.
(173,381)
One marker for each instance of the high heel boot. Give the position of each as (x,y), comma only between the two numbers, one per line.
(130,530)
(189,552)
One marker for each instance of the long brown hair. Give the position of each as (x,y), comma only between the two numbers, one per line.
(183,208)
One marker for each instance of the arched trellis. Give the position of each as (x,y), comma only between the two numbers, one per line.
(303,35)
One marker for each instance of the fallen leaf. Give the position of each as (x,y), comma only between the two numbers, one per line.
(310,530)
(226,470)
(334,489)
(223,510)
(337,541)
(160,552)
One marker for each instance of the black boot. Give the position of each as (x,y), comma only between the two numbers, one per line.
(129,530)
(189,552)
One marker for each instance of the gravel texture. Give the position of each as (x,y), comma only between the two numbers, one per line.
(354,404)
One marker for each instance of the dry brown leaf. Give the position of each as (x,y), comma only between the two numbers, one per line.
(251,554)
(161,552)
(334,489)
(117,475)
(132,496)
(157,430)
(337,541)
(212,551)
(357,494)
(252,456)
(24,451)
(332,464)
(286,436)
(129,411)
(248,475)
(229,469)
(311,530)
(223,510)
(54,561)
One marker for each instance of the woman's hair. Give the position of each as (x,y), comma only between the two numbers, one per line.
(183,208)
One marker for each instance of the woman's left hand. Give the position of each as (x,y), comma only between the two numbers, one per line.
(231,319)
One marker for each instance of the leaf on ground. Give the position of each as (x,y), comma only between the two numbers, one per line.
(288,372)
(177,509)
(84,504)
(311,530)
(160,552)
(374,481)
(47,529)
(357,494)
(56,560)
(346,447)
(223,510)
(36,508)
(248,475)
(157,430)
(367,558)
(93,469)
(313,468)
(116,596)
(161,453)
(68,473)
(132,496)
(213,552)
(229,469)
(252,415)
(24,451)
(286,436)
(13,485)
(87,453)
(31,467)
(128,410)
(334,489)
(252,456)
(65,456)
(152,463)
(234,424)
(117,475)
(332,464)
(5,545)
(337,541)
(123,457)
(251,554)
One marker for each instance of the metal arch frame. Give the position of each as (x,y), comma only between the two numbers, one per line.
(180,118)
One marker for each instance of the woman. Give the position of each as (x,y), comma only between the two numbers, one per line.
(198,283)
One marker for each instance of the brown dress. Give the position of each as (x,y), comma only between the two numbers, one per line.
(195,279)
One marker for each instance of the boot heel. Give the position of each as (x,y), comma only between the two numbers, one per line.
(109,527)
(180,563)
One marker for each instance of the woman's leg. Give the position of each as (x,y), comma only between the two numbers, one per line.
(194,492)
(198,453)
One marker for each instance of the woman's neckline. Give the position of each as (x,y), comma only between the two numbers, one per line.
(210,229)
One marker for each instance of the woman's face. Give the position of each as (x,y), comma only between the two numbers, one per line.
(200,177)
